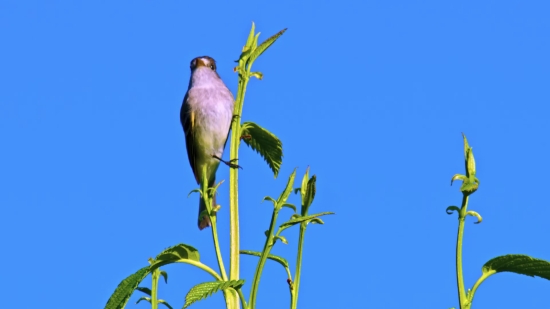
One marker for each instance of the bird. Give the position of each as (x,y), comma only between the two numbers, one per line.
(206,114)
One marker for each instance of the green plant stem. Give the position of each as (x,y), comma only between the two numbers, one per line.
(234,246)
(243,300)
(205,195)
(462,298)
(218,251)
(265,253)
(201,266)
(154,288)
(477,284)
(296,283)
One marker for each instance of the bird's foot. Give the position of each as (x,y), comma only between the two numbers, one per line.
(228,163)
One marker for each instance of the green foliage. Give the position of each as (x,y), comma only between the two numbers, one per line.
(519,264)
(272,257)
(265,45)
(160,301)
(265,143)
(205,289)
(175,253)
(125,289)
(299,219)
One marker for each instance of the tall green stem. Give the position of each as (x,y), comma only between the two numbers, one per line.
(263,258)
(462,298)
(233,185)
(154,288)
(296,284)
(218,251)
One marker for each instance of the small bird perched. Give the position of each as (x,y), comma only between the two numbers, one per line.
(206,114)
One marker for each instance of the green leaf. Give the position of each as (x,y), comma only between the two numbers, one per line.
(286,193)
(164,275)
(265,143)
(291,206)
(162,301)
(519,264)
(272,257)
(175,253)
(303,219)
(303,189)
(269,198)
(310,194)
(203,290)
(144,290)
(250,38)
(264,46)
(125,289)
(281,238)
(148,299)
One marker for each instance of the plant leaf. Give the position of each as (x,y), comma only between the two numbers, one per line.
(519,264)
(124,290)
(272,257)
(286,193)
(175,253)
(302,219)
(264,46)
(164,275)
(162,301)
(205,289)
(310,194)
(148,299)
(265,143)
(144,290)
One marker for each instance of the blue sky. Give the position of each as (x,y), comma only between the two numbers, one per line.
(372,96)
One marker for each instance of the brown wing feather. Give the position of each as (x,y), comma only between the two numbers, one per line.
(187,120)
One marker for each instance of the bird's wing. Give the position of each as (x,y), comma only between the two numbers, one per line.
(187,118)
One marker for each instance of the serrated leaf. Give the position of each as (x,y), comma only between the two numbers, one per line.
(265,143)
(162,301)
(175,253)
(144,290)
(264,46)
(205,289)
(519,264)
(124,290)
(302,219)
(272,257)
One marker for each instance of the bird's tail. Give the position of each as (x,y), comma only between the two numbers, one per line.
(204,222)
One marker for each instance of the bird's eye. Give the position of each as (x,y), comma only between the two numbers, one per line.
(213,67)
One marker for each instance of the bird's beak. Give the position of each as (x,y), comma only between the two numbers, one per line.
(201,63)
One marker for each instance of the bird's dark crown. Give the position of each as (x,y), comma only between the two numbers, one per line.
(203,61)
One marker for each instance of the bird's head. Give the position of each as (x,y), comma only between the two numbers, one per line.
(203,61)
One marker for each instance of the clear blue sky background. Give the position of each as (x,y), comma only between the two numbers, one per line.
(372,95)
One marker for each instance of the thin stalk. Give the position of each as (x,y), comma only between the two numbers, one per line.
(154,288)
(201,266)
(205,195)
(462,298)
(218,251)
(241,296)
(476,285)
(296,284)
(234,246)
(263,258)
